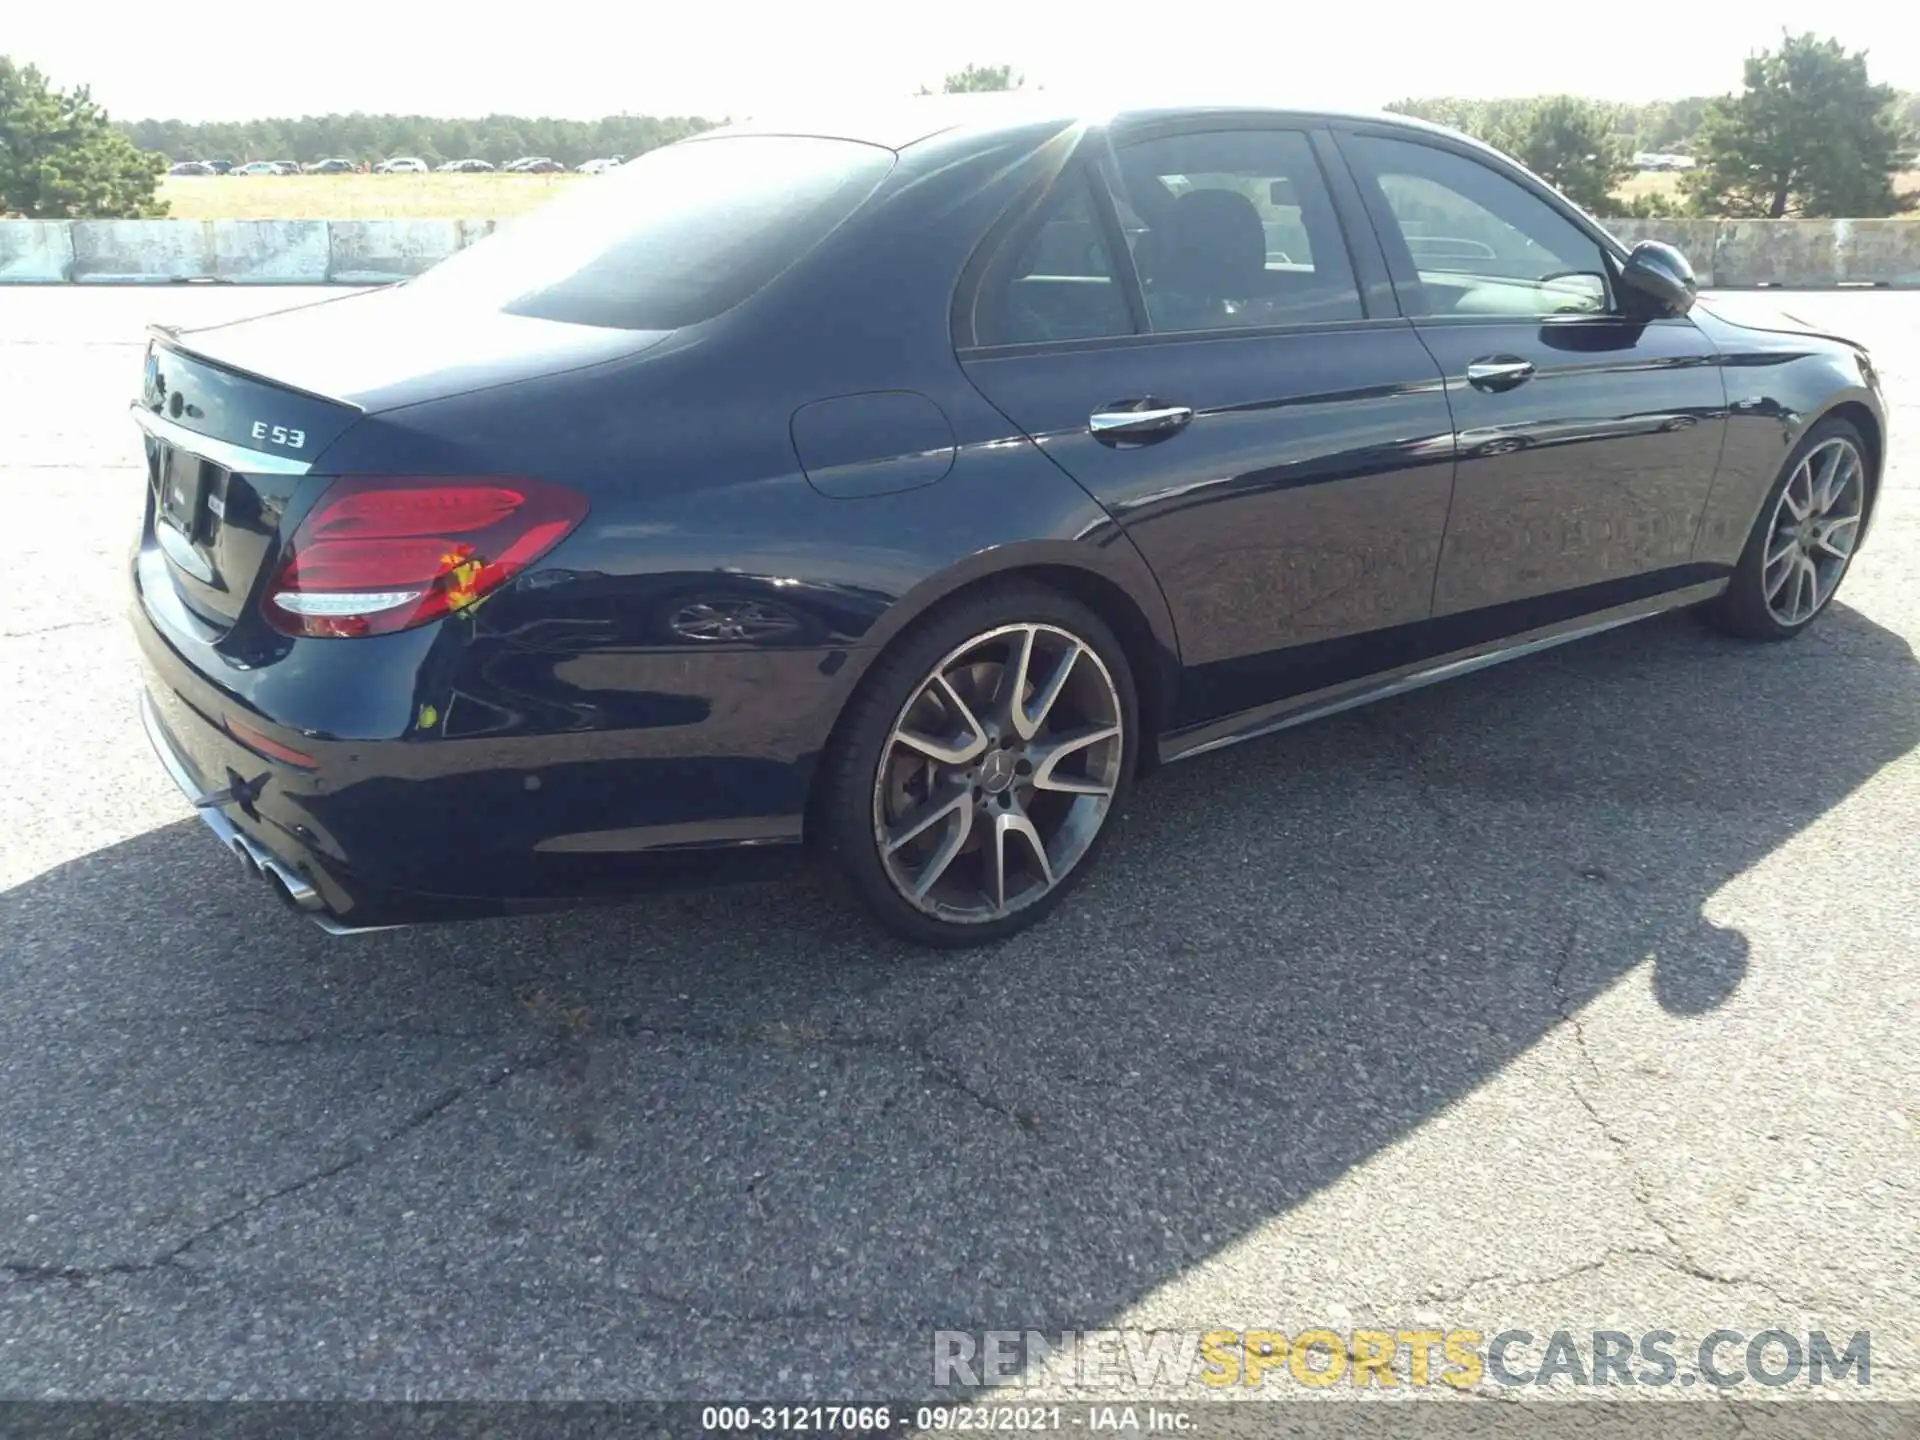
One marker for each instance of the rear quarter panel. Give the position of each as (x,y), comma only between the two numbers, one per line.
(687,455)
(698,497)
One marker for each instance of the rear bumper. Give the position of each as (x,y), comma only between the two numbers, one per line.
(343,901)
(697,774)
(287,880)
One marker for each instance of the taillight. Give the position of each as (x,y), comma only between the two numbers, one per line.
(377,555)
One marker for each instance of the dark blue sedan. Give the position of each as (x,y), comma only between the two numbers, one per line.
(904,485)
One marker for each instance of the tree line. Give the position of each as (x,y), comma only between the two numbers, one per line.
(494,138)
(1808,135)
(1665,126)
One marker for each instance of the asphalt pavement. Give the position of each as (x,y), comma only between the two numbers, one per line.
(1577,993)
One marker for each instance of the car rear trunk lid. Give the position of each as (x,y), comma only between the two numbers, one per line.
(226,455)
(236,415)
(382,350)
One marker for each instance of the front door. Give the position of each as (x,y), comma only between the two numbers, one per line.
(1189,342)
(1588,440)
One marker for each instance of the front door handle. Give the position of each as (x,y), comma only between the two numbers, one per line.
(1499,372)
(1117,425)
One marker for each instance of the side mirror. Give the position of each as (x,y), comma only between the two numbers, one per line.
(1662,274)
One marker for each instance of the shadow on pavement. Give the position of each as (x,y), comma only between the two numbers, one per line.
(734,1142)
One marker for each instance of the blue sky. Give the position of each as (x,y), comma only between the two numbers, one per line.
(574,58)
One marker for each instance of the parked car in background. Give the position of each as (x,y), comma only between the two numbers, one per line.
(267,167)
(192,167)
(535,165)
(466,167)
(333,166)
(600,167)
(401,165)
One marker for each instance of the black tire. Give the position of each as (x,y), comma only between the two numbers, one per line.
(844,823)
(1741,610)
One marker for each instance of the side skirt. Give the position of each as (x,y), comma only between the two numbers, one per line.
(1350,695)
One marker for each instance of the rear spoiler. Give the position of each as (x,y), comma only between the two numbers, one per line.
(170,336)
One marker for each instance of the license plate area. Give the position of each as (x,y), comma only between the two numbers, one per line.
(218,528)
(185,511)
(180,486)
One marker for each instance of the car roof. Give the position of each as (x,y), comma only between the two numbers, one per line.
(911,120)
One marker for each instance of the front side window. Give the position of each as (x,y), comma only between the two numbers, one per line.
(678,236)
(1480,243)
(1233,229)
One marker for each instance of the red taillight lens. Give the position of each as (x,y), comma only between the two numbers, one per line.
(379,555)
(392,512)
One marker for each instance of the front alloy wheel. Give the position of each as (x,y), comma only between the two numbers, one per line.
(1802,541)
(1815,524)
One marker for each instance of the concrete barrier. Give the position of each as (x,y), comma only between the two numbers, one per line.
(1790,254)
(239,252)
(1727,254)
(242,252)
(272,252)
(130,252)
(35,252)
(374,252)
(1820,253)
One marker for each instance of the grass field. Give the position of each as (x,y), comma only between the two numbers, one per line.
(388,197)
(1650,182)
(1667,182)
(359,197)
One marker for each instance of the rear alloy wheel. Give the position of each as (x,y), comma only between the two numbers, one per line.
(1803,541)
(989,752)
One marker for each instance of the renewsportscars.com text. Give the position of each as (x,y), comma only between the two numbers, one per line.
(1128,1361)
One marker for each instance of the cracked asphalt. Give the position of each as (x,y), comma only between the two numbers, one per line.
(1579,993)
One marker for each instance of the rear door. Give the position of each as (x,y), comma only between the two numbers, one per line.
(1184,327)
(1588,439)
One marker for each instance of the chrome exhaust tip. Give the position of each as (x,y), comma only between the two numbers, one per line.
(292,886)
(246,853)
(279,888)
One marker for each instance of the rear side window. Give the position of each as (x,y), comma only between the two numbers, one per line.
(1062,283)
(1235,228)
(680,235)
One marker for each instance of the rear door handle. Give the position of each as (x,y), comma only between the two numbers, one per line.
(1499,372)
(1116,424)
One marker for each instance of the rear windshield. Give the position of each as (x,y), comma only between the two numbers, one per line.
(670,239)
